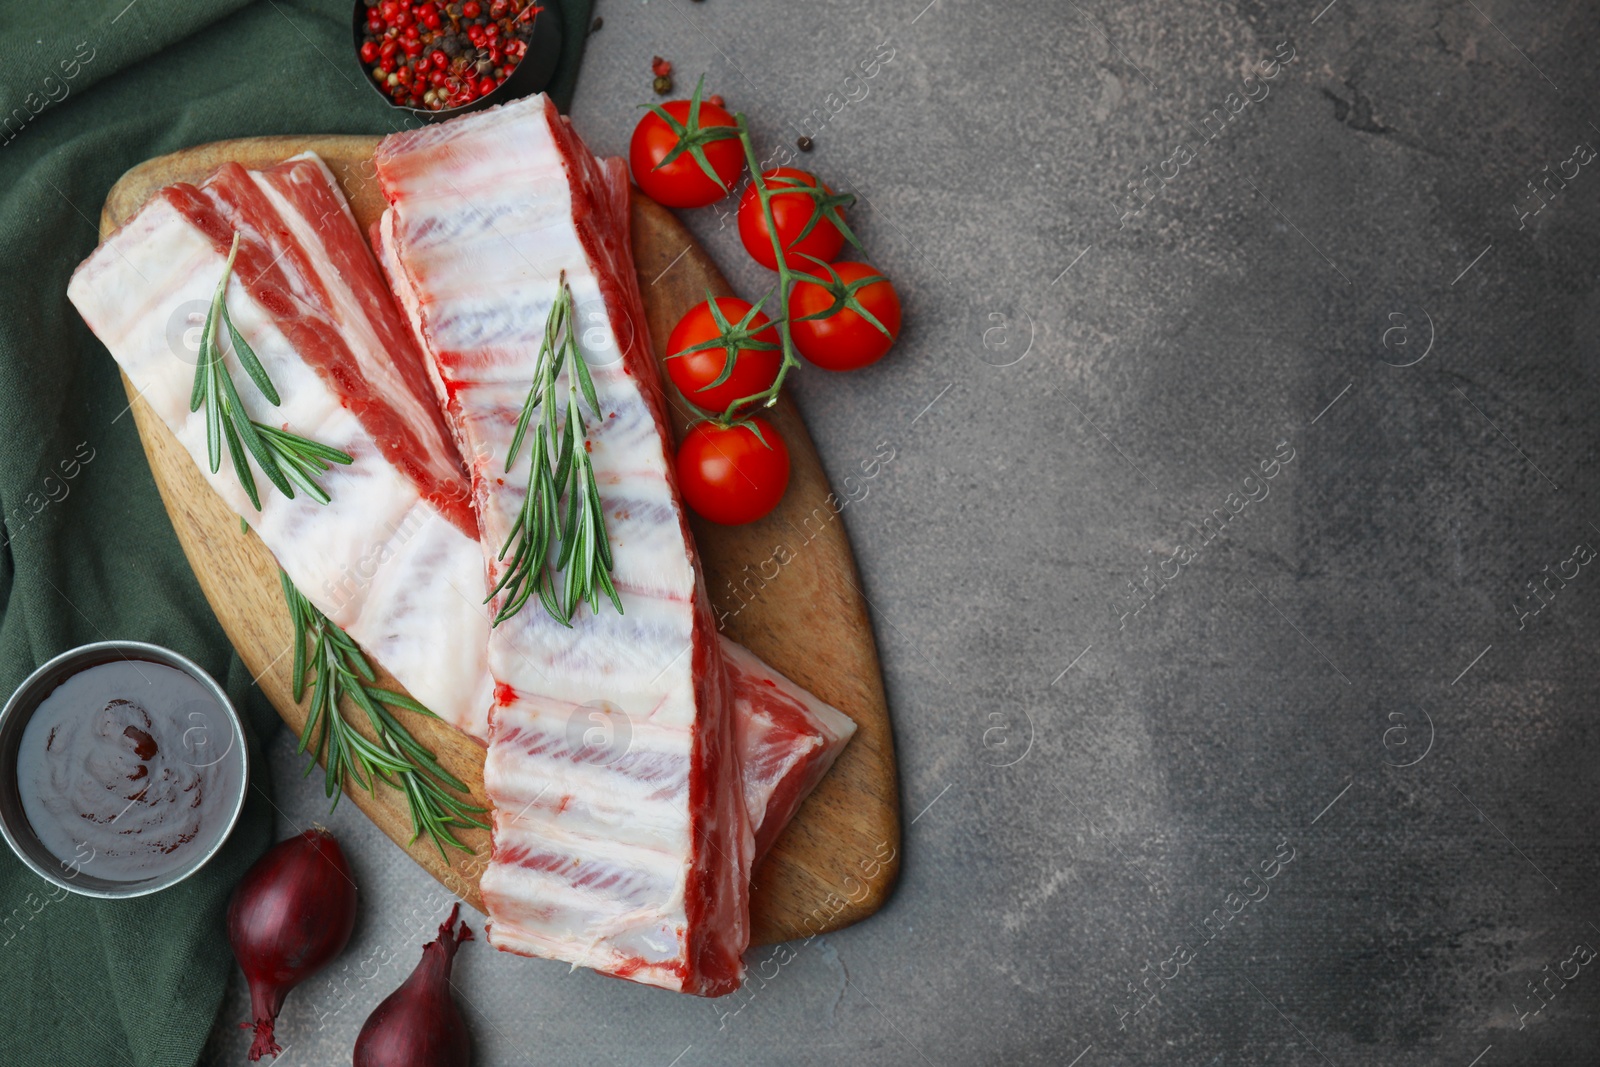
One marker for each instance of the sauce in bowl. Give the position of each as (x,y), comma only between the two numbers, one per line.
(127,771)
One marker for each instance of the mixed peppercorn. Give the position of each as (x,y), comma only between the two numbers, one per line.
(443,55)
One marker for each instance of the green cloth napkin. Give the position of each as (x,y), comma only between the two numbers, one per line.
(88,89)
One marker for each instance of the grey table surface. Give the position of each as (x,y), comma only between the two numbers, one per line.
(1232,575)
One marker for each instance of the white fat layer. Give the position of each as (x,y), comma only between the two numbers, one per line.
(482,226)
(368,558)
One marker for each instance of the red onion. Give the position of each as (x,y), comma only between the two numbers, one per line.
(290,915)
(419,1025)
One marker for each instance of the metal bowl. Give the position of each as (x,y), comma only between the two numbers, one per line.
(14,825)
(527,77)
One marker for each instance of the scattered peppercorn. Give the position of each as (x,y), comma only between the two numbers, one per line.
(598,22)
(662,69)
(437,56)
(804,144)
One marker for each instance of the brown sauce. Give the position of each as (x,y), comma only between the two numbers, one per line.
(126,771)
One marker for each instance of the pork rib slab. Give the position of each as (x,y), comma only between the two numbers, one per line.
(642,869)
(787,737)
(392,559)
(787,741)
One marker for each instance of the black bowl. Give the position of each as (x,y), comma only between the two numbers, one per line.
(526,78)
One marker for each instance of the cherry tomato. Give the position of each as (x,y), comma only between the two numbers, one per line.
(843,340)
(682,183)
(728,475)
(754,369)
(791,212)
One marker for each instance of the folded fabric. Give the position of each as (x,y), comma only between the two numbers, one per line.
(89,89)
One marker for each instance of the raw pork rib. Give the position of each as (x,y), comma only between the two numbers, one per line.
(787,741)
(393,560)
(636,865)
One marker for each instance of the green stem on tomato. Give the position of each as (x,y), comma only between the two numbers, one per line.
(769,396)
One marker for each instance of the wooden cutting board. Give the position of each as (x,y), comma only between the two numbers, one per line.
(787,584)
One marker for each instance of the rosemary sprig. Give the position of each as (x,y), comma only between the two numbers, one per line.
(287,459)
(396,758)
(584,554)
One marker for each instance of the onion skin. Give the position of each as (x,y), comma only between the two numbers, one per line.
(290,916)
(419,1025)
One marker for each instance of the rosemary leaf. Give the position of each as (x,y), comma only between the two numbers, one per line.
(239,425)
(299,668)
(213,401)
(392,699)
(585,383)
(197,394)
(247,359)
(241,465)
